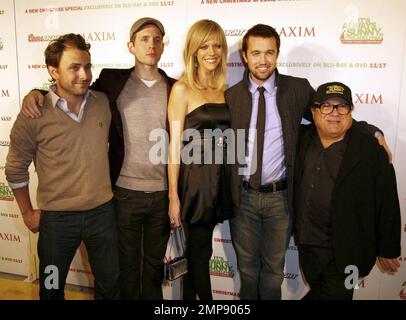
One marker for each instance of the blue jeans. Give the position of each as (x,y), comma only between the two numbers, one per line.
(61,233)
(260,234)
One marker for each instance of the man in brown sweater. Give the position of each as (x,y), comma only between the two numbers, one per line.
(69,147)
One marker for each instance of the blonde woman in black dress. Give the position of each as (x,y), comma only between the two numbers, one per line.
(198,192)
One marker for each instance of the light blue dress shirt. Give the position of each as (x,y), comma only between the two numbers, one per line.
(273,161)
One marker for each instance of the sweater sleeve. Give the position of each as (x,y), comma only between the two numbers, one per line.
(22,150)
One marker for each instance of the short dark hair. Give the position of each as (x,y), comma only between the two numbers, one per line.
(263,31)
(53,52)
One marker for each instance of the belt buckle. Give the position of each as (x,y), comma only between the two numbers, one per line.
(269,187)
(265,188)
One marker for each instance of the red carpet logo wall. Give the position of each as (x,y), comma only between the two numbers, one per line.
(359,43)
(15,253)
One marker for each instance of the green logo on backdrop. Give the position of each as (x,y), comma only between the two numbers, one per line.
(364,31)
(5,193)
(220,267)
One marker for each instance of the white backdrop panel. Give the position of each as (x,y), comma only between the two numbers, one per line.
(311,47)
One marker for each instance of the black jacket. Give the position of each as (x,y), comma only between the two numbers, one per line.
(365,213)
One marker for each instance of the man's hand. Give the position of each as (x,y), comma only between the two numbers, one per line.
(382,142)
(389,265)
(31,103)
(32,219)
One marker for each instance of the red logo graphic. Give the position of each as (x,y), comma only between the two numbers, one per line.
(297,32)
(226,293)
(10,237)
(4,93)
(402,293)
(222,240)
(368,98)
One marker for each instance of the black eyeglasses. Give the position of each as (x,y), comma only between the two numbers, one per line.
(327,108)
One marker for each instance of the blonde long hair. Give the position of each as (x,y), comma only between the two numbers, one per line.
(199,33)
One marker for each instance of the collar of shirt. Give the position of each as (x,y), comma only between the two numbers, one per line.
(338,146)
(62,104)
(269,85)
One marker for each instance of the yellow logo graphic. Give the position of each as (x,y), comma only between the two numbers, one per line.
(335,89)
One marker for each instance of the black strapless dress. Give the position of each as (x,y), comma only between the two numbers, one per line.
(204,188)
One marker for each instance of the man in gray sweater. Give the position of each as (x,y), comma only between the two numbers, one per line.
(74,195)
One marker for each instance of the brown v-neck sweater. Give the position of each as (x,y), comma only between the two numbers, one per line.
(70,157)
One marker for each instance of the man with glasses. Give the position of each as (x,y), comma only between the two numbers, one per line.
(346,201)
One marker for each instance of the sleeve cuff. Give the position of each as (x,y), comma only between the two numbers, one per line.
(18,185)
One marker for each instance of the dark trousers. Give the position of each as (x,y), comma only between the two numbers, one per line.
(322,275)
(198,251)
(143,233)
(60,235)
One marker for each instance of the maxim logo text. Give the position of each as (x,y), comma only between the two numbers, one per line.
(9,237)
(368,98)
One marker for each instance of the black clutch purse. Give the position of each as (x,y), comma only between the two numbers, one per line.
(176,267)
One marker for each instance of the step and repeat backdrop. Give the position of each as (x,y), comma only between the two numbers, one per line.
(361,43)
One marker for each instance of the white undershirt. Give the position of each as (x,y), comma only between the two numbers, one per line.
(149,83)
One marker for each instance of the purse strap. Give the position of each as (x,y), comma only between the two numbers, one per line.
(171,239)
(177,239)
(180,241)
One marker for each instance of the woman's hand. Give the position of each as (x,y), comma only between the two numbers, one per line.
(174,212)
(177,108)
